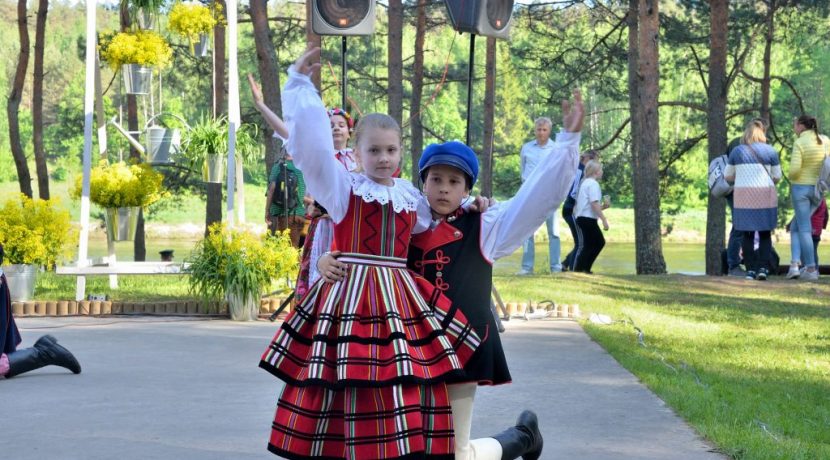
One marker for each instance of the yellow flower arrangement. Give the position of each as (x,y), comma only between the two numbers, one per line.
(35,231)
(239,261)
(142,47)
(119,185)
(193,19)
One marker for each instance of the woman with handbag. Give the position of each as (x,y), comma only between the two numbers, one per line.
(754,168)
(808,154)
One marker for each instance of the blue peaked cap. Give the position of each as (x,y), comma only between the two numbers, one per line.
(452,153)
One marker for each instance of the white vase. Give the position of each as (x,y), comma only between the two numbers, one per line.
(21,278)
(214,169)
(242,309)
(202,47)
(121,223)
(162,144)
(137,78)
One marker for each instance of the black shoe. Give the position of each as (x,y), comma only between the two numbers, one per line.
(45,352)
(523,440)
(762,275)
(750,275)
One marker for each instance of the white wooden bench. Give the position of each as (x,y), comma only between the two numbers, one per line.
(118,268)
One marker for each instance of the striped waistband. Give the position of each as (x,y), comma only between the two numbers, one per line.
(368,259)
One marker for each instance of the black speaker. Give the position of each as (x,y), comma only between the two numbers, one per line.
(490,18)
(343,17)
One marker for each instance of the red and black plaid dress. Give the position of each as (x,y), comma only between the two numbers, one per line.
(365,359)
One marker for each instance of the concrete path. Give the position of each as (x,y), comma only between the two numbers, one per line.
(173,388)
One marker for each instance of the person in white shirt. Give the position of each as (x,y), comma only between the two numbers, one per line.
(589,206)
(531,155)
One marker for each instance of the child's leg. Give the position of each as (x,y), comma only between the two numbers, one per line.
(462,397)
(816,240)
(595,243)
(579,255)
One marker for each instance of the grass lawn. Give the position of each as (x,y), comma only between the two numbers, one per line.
(746,363)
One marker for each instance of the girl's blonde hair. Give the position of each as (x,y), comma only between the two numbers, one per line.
(591,168)
(375,121)
(754,132)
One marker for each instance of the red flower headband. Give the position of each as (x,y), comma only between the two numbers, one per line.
(338,111)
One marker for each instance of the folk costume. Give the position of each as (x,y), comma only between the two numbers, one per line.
(45,352)
(365,360)
(457,253)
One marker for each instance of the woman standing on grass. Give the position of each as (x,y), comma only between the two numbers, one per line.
(809,151)
(589,207)
(754,168)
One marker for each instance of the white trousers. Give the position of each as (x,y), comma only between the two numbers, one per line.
(462,397)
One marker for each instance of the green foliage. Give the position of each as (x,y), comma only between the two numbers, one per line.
(119,185)
(35,231)
(237,261)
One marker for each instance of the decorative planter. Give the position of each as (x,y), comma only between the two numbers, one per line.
(242,309)
(21,279)
(137,79)
(162,145)
(214,168)
(121,223)
(202,48)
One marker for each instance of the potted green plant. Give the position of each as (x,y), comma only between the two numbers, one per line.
(194,22)
(143,12)
(135,53)
(237,265)
(205,146)
(34,233)
(122,190)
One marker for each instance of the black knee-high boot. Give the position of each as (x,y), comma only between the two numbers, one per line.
(523,440)
(46,352)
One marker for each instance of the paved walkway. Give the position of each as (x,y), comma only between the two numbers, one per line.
(172,388)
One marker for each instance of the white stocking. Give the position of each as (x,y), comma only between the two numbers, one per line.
(462,396)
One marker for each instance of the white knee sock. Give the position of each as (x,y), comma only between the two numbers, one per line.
(462,397)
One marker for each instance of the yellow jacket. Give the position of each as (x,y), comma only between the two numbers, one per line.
(808,154)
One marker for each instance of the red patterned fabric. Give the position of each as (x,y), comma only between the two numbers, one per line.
(365,359)
(395,422)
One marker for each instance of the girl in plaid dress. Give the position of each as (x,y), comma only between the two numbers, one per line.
(365,360)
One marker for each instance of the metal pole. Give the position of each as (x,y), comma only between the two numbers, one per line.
(470,74)
(89,92)
(233,106)
(343,70)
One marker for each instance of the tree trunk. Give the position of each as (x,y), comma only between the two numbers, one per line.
(394,89)
(416,129)
(37,102)
(633,101)
(269,74)
(646,171)
(213,213)
(313,39)
(24,179)
(486,175)
(716,127)
(139,244)
(219,89)
(765,80)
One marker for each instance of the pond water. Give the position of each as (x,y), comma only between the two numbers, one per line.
(616,258)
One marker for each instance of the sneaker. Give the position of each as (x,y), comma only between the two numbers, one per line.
(762,275)
(750,275)
(810,275)
(524,272)
(793,273)
(737,271)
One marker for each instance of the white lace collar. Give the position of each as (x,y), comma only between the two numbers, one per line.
(402,194)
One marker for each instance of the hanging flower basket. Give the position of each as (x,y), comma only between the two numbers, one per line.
(214,169)
(137,79)
(121,223)
(202,47)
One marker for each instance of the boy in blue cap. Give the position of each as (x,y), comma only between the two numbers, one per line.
(457,253)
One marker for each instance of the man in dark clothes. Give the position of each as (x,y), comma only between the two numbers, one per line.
(45,352)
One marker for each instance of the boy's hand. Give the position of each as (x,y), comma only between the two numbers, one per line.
(304,64)
(605,225)
(256,93)
(573,113)
(330,268)
(482,204)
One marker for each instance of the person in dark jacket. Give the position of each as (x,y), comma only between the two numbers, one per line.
(45,352)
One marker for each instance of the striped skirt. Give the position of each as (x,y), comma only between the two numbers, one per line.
(364,361)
